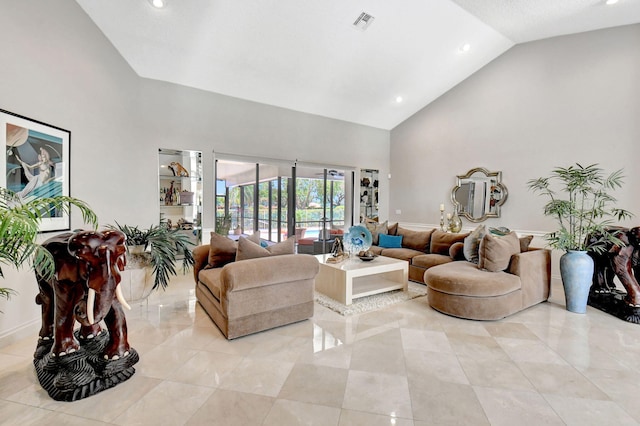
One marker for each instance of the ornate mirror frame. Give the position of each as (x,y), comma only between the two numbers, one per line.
(481,194)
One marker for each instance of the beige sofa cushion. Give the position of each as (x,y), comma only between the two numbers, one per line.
(416,240)
(210,278)
(377,250)
(441,241)
(401,253)
(495,251)
(426,261)
(222,250)
(525,242)
(248,249)
(464,278)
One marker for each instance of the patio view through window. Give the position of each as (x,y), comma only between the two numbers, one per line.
(279,200)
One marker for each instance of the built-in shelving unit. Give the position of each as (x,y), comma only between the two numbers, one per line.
(369,193)
(180,191)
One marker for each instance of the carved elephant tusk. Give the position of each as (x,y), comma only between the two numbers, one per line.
(121,298)
(91,299)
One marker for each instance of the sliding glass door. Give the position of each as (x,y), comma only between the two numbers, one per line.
(320,201)
(280,199)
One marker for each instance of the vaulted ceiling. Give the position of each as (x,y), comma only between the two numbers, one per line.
(308,56)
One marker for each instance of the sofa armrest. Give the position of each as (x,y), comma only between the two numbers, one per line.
(456,251)
(534,269)
(252,273)
(521,262)
(201,259)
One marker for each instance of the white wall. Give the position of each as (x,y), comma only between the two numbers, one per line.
(541,104)
(58,68)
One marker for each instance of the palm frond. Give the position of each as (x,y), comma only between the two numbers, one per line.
(163,246)
(20,225)
(586,209)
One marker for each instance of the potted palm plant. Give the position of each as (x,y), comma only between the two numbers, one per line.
(580,200)
(19,228)
(158,246)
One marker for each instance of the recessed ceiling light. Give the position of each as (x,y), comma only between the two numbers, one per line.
(464,48)
(610,2)
(399,99)
(159,4)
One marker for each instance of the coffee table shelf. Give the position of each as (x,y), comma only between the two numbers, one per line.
(353,278)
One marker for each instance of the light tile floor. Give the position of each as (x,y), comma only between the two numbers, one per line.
(404,365)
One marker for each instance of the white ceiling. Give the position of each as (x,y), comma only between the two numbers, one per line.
(307,56)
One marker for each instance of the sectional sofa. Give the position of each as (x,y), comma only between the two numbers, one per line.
(472,275)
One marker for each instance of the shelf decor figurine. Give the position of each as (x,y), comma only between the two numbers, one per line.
(442,218)
(178,169)
(169,196)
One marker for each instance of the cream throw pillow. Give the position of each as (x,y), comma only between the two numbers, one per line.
(376,229)
(495,251)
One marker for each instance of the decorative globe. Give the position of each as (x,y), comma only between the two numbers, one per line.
(357,239)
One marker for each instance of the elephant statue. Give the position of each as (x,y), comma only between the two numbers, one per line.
(624,263)
(85,288)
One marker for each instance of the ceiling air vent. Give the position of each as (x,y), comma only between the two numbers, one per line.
(363,21)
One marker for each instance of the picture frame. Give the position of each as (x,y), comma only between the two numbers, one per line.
(36,163)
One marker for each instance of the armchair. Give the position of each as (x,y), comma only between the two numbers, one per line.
(253,295)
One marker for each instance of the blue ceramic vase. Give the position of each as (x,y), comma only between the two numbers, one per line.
(576,270)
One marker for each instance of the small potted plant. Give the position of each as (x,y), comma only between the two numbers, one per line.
(581,204)
(153,251)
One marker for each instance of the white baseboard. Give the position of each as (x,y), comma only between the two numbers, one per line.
(20,332)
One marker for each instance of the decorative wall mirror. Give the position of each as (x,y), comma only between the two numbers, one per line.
(479,194)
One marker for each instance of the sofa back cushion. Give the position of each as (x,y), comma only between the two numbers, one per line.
(441,241)
(248,249)
(525,242)
(222,250)
(390,241)
(495,251)
(416,240)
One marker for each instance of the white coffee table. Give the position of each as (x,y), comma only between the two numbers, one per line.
(354,278)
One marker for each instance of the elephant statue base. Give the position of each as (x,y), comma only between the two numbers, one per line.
(614,304)
(82,373)
(623,263)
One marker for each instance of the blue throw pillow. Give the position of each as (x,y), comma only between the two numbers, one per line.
(390,241)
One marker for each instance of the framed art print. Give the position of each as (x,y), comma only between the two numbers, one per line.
(36,164)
